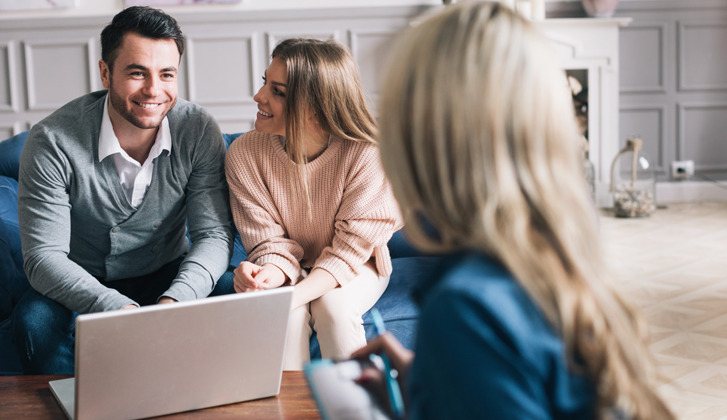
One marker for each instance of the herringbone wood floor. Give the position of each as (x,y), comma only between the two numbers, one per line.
(673,265)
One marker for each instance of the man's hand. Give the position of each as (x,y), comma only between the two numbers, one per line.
(164,299)
(250,277)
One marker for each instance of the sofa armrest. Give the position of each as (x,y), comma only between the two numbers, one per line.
(10,150)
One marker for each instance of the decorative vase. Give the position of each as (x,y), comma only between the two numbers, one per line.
(632,181)
(600,8)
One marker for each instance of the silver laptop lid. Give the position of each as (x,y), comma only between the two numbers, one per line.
(163,359)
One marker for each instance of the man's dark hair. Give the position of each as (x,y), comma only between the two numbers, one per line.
(145,21)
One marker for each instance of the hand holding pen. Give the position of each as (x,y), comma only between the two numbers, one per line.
(394,356)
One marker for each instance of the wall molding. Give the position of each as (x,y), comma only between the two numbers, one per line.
(670,5)
(216,16)
(369,70)
(193,79)
(577,49)
(683,28)
(10,130)
(253,33)
(690,191)
(226,55)
(682,109)
(575,8)
(660,110)
(233,124)
(660,87)
(8,59)
(274,37)
(34,101)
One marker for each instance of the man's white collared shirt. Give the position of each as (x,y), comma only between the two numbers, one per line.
(135,177)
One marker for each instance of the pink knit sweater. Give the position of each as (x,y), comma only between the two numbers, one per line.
(354,210)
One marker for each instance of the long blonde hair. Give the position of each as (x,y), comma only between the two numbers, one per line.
(323,78)
(478,138)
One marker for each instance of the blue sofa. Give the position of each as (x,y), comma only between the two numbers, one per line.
(396,306)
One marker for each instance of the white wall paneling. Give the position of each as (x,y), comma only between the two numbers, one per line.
(274,38)
(6,132)
(110,7)
(643,54)
(226,55)
(702,61)
(671,67)
(209,82)
(370,50)
(702,128)
(9,130)
(237,124)
(693,101)
(647,122)
(8,78)
(57,70)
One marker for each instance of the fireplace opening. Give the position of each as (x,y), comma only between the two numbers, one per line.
(578,84)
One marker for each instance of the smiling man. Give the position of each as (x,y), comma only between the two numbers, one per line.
(107,186)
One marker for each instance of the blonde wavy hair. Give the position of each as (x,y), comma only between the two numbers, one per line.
(323,78)
(478,139)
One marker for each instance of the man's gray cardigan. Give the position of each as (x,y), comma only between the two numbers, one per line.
(77,225)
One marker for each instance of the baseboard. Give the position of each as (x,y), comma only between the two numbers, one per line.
(690,191)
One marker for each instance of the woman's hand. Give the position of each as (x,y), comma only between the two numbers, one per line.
(316,284)
(250,277)
(400,359)
(399,356)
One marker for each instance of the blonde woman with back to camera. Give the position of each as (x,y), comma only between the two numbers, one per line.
(479,142)
(310,199)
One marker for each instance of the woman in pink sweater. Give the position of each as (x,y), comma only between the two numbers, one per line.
(310,199)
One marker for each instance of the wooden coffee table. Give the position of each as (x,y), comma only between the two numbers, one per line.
(29,397)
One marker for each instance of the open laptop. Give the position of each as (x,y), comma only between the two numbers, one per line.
(164,359)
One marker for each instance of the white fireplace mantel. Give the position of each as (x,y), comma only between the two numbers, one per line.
(592,44)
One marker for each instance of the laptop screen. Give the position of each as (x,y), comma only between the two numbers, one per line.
(163,359)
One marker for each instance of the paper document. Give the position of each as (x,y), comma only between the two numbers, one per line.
(337,395)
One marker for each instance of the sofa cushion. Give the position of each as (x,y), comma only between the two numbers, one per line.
(9,200)
(13,282)
(12,278)
(398,310)
(396,306)
(238,252)
(400,247)
(230,137)
(9,360)
(10,154)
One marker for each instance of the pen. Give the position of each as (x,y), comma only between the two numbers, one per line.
(392,386)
